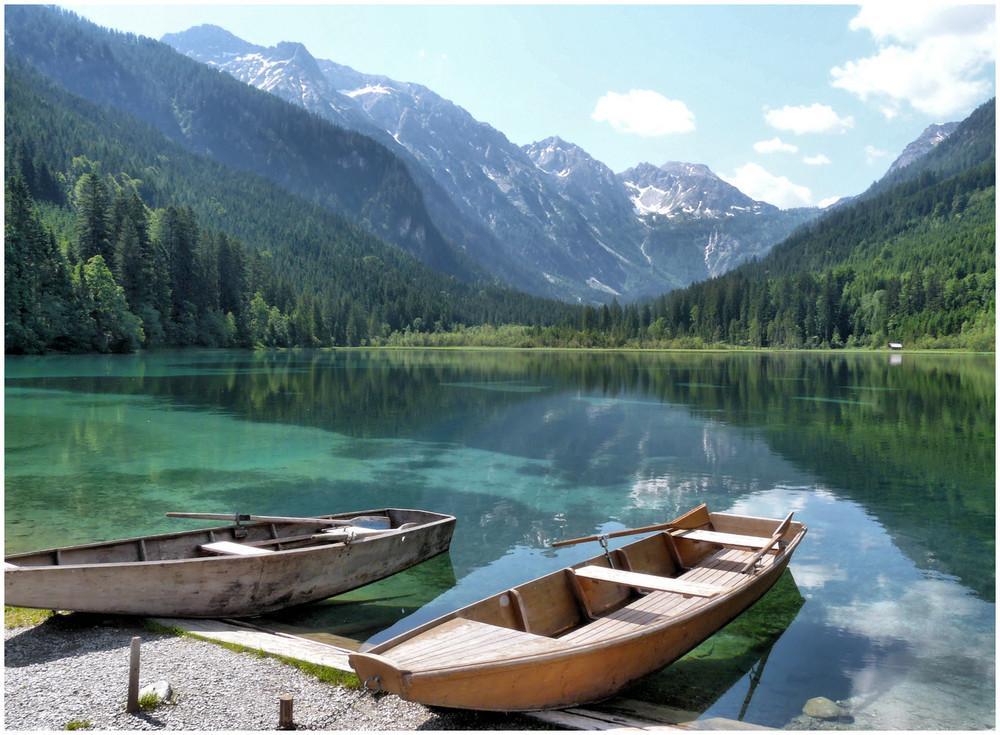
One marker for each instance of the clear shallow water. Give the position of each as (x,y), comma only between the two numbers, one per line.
(891,600)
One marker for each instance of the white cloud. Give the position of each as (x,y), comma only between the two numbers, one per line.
(921,20)
(872,154)
(827,201)
(775,145)
(934,58)
(643,112)
(759,183)
(814,118)
(818,160)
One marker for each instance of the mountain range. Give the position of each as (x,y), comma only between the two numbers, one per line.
(557,221)
(402,163)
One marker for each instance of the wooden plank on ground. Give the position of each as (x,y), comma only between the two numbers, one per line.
(329,639)
(723,723)
(656,713)
(630,714)
(614,720)
(573,720)
(279,645)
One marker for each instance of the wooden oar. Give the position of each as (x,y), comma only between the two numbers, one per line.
(775,538)
(238,517)
(668,526)
(613,534)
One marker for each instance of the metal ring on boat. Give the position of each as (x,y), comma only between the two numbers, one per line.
(603,541)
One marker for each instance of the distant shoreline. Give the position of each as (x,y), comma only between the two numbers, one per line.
(507,348)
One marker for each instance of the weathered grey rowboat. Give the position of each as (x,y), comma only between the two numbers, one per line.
(258,565)
(582,633)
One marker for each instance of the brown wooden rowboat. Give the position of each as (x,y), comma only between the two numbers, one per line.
(582,633)
(230,571)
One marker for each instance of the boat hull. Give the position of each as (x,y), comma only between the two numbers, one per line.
(560,680)
(475,658)
(208,587)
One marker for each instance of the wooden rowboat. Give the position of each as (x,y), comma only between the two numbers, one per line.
(582,633)
(245,569)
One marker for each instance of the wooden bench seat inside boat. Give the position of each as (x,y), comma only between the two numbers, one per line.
(719,570)
(724,539)
(648,581)
(255,548)
(231,548)
(460,642)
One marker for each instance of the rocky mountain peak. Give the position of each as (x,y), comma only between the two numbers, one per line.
(923,145)
(680,189)
(297,54)
(209,43)
(680,168)
(556,156)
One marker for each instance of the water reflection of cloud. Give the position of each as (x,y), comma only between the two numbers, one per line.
(936,617)
(777,502)
(947,644)
(814,576)
(663,491)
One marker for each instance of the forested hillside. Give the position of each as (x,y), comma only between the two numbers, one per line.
(914,262)
(212,114)
(161,218)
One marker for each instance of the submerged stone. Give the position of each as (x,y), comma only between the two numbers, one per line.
(824,709)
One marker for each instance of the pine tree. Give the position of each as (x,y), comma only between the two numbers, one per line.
(140,273)
(92,226)
(177,237)
(21,243)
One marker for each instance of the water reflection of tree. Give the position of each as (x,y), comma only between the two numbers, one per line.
(913,443)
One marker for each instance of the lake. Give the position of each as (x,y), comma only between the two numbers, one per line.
(889,459)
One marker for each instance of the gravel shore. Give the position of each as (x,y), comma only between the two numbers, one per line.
(73,668)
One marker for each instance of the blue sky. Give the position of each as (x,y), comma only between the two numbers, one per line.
(794,104)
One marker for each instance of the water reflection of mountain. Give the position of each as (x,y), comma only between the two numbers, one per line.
(913,443)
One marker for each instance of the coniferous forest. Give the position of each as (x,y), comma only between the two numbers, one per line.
(119,238)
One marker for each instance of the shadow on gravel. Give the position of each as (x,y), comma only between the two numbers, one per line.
(153,722)
(67,635)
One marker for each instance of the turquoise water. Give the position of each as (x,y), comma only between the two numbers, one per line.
(891,601)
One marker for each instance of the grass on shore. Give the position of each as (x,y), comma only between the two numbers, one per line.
(325,674)
(148,702)
(79,725)
(24,617)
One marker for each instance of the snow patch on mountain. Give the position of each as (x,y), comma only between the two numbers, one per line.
(367,89)
(598,286)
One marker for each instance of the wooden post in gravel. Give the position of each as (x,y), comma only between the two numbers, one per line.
(285,721)
(132,703)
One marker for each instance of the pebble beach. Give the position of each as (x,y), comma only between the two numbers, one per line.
(64,672)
